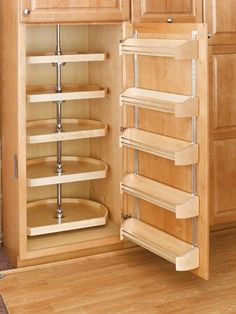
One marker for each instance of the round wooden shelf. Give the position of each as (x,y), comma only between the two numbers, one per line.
(44,131)
(42,171)
(79,214)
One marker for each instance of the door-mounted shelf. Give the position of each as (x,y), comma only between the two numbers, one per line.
(183,204)
(179,49)
(47,93)
(181,152)
(65,58)
(179,105)
(44,131)
(182,254)
(42,171)
(79,214)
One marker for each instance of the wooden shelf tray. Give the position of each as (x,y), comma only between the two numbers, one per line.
(179,105)
(42,171)
(79,214)
(178,49)
(181,152)
(183,204)
(47,93)
(44,131)
(67,58)
(182,254)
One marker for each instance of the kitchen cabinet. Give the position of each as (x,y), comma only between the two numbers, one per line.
(41,11)
(219,15)
(171,11)
(104,146)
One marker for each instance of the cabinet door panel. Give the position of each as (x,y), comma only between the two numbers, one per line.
(154,71)
(223,133)
(74,10)
(219,14)
(224,181)
(164,10)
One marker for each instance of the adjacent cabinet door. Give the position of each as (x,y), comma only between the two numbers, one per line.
(167,11)
(74,10)
(220,17)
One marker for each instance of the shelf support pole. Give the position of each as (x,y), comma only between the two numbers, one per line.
(59,211)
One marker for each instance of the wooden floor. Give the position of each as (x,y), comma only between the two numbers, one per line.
(139,282)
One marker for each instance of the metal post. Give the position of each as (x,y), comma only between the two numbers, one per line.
(136,125)
(194,141)
(59,212)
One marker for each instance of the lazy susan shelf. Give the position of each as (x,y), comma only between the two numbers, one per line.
(44,131)
(179,105)
(178,49)
(79,214)
(47,93)
(67,58)
(182,254)
(183,204)
(42,171)
(181,152)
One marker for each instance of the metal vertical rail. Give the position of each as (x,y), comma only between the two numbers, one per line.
(194,141)
(58,52)
(136,125)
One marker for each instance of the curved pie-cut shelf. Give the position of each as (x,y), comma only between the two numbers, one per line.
(67,58)
(78,214)
(181,152)
(179,49)
(42,171)
(44,131)
(179,105)
(183,204)
(48,93)
(182,254)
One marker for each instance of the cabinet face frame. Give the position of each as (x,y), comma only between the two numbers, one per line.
(219,15)
(140,13)
(43,11)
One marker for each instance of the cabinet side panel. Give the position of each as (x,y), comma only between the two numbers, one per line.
(107,74)
(12,127)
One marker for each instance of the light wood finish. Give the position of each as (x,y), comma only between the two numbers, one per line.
(44,131)
(66,57)
(179,105)
(42,171)
(78,214)
(109,74)
(171,48)
(37,94)
(182,254)
(13,129)
(181,152)
(163,74)
(183,204)
(222,133)
(71,241)
(220,17)
(142,270)
(160,11)
(52,11)
(146,283)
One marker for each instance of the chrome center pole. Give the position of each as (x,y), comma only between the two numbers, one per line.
(59,211)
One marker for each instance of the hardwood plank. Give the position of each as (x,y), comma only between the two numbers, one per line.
(143,281)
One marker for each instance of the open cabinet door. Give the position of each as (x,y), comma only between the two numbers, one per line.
(165,142)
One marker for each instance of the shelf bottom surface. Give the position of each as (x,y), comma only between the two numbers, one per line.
(78,214)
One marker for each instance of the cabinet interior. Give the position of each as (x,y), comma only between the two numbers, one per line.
(82,39)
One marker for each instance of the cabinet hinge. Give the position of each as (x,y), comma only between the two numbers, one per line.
(15,166)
